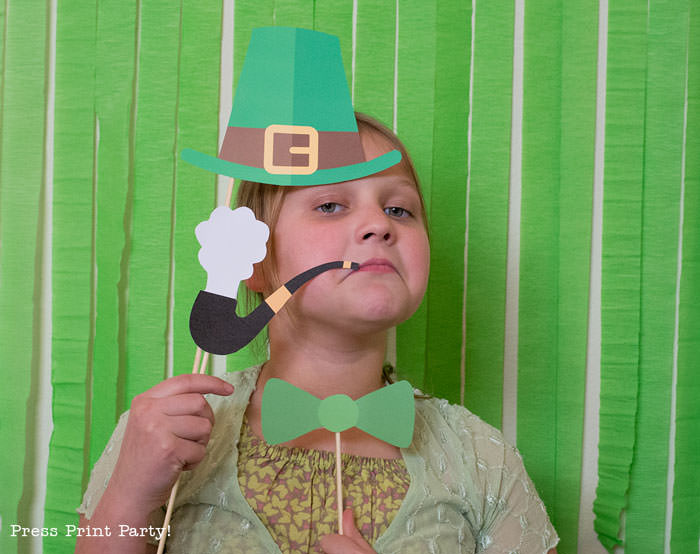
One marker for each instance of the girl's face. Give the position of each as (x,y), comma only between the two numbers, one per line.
(376,221)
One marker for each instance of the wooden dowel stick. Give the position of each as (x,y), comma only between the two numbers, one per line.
(197,358)
(339,483)
(168,515)
(229,193)
(171,501)
(203,367)
(201,370)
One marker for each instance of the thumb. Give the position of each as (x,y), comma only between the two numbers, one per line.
(351,542)
(349,528)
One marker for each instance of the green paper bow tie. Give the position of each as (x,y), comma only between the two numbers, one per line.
(289,412)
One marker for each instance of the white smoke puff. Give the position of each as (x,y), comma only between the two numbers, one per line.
(232,241)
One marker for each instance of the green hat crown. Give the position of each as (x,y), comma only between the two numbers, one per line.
(292,121)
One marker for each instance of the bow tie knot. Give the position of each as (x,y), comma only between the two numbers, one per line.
(338,413)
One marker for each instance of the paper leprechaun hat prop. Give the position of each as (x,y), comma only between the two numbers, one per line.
(292,121)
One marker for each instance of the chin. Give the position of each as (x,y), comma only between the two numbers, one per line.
(372,307)
(382,315)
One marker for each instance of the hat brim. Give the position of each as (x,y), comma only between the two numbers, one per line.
(318,177)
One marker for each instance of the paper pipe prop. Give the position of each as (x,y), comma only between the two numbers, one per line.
(232,241)
(216,328)
(289,412)
(292,123)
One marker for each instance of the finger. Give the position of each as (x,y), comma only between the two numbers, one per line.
(192,428)
(187,383)
(189,453)
(191,403)
(349,527)
(339,544)
(177,453)
(352,542)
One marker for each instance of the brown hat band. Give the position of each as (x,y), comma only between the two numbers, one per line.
(291,149)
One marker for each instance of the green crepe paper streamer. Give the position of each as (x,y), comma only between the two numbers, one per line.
(488,209)
(685,529)
(195,190)
(558,161)
(3,17)
(22,127)
(248,16)
(621,260)
(415,125)
(540,242)
(292,13)
(116,29)
(577,158)
(448,202)
(335,17)
(666,75)
(73,261)
(686,496)
(155,145)
(375,50)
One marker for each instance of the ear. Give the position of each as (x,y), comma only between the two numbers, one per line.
(256,282)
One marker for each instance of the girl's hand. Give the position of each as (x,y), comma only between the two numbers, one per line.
(167,432)
(352,542)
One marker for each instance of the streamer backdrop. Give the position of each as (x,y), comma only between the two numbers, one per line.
(558,145)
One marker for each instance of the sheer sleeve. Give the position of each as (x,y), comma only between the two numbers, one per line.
(516,519)
(509,515)
(102,471)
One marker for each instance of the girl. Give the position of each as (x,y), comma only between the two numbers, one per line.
(457,488)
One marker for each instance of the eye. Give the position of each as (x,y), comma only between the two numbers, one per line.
(329,208)
(397,211)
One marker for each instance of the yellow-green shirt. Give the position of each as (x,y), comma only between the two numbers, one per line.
(293,491)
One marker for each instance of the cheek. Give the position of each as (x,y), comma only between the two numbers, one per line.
(420,259)
(300,249)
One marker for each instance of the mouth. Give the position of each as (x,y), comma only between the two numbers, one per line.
(378,265)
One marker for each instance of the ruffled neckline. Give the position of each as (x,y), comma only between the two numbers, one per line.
(251,446)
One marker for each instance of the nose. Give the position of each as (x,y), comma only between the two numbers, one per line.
(377,227)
